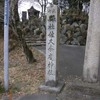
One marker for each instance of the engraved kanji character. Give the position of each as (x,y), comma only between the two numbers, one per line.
(51,42)
(50,72)
(51,26)
(51,48)
(51,34)
(52,18)
(50,56)
(49,10)
(53,11)
(50,64)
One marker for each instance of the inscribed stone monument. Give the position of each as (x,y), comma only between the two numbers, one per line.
(24,16)
(52,32)
(52,44)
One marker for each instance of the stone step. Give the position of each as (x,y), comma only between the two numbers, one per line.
(36,44)
(31,36)
(35,41)
(30,40)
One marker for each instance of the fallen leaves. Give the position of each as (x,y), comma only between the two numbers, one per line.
(23,77)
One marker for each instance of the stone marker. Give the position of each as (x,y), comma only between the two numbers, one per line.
(24,16)
(52,31)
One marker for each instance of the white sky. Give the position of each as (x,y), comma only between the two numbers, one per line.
(26,4)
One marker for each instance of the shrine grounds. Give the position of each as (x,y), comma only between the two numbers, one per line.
(25,79)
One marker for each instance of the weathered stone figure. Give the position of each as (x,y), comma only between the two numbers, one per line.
(92,53)
(24,16)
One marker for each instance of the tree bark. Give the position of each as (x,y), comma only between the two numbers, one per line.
(28,53)
(92,52)
(14,19)
(55,2)
(1,17)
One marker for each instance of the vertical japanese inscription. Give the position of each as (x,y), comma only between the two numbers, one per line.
(51,42)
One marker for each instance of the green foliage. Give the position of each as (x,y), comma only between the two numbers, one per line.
(1,89)
(1,1)
(14,89)
(85,0)
(75,3)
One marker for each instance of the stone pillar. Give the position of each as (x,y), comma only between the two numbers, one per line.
(52,32)
(92,52)
(52,44)
(24,16)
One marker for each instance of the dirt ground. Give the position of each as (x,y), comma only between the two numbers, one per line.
(24,78)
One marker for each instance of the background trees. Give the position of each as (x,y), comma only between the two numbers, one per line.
(77,4)
(43,4)
(14,16)
(15,31)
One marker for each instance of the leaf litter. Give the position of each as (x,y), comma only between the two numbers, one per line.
(24,78)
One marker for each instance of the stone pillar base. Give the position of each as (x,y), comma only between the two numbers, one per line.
(56,89)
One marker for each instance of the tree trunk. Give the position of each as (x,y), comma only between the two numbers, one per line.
(92,53)
(45,5)
(1,10)
(1,17)
(14,22)
(28,53)
(55,2)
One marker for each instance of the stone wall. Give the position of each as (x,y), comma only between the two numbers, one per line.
(73,27)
